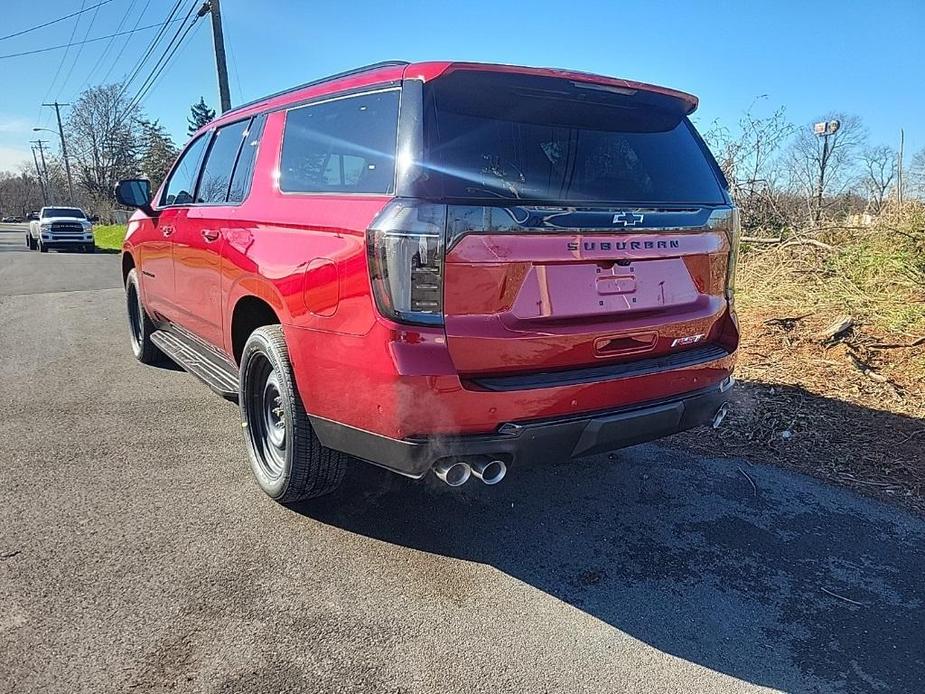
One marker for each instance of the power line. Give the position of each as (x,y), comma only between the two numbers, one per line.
(150,49)
(125,44)
(172,46)
(54,80)
(76,43)
(70,72)
(170,61)
(54,21)
(164,54)
(105,52)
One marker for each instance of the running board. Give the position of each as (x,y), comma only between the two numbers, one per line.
(204,363)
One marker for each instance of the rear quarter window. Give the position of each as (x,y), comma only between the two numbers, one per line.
(346,145)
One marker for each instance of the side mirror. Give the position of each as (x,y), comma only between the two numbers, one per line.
(95,218)
(135,192)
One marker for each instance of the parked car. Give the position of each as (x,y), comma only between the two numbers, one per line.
(442,266)
(9,220)
(61,227)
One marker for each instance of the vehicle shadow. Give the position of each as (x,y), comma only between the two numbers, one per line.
(750,570)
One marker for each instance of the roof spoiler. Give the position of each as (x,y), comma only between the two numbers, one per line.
(687,102)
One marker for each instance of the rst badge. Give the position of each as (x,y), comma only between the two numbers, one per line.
(687,340)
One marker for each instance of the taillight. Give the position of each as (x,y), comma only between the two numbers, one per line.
(405,249)
(728,221)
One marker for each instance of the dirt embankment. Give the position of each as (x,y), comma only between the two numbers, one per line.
(832,362)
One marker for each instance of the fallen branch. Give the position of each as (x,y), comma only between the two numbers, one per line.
(914,343)
(754,486)
(842,597)
(866,369)
(838,328)
(811,242)
(761,239)
(787,323)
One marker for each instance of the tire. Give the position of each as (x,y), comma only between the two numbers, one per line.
(287,459)
(42,247)
(139,324)
(29,242)
(90,249)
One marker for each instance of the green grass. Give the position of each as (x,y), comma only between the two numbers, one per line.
(109,237)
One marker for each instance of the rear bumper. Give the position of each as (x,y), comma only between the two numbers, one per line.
(534,441)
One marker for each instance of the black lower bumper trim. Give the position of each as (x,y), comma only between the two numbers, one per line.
(536,441)
(592,374)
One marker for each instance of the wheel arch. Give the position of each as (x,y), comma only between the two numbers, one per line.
(128,263)
(249,313)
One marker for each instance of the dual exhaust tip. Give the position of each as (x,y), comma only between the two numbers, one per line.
(456,471)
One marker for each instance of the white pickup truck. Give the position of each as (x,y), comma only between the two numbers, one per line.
(61,227)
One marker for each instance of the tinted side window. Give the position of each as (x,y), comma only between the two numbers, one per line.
(179,189)
(244,169)
(346,145)
(216,174)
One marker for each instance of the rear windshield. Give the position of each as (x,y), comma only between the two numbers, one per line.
(63,212)
(497,135)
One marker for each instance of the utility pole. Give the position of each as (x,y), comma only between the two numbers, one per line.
(41,180)
(218,41)
(67,164)
(41,145)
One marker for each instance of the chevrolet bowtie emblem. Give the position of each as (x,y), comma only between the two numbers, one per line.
(628,219)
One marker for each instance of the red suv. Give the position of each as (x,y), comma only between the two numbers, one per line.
(442,266)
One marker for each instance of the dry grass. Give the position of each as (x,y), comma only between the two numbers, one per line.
(850,408)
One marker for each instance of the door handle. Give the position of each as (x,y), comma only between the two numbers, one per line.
(167,231)
(210,235)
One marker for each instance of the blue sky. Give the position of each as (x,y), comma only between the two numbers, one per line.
(865,58)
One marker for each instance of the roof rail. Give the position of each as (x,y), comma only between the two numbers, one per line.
(329,78)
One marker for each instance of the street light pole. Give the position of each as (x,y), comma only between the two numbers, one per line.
(824,129)
(67,164)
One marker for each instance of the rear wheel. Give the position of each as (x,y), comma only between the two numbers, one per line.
(140,326)
(287,459)
(42,247)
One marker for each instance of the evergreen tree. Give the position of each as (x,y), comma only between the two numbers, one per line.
(158,152)
(200,115)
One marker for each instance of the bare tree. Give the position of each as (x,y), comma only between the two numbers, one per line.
(750,159)
(822,167)
(105,135)
(916,174)
(880,167)
(20,193)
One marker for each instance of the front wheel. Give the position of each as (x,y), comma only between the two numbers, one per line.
(287,458)
(42,247)
(140,326)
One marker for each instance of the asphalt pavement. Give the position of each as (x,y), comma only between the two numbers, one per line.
(137,555)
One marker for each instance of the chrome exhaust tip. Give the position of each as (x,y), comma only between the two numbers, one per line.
(720,415)
(454,472)
(489,470)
